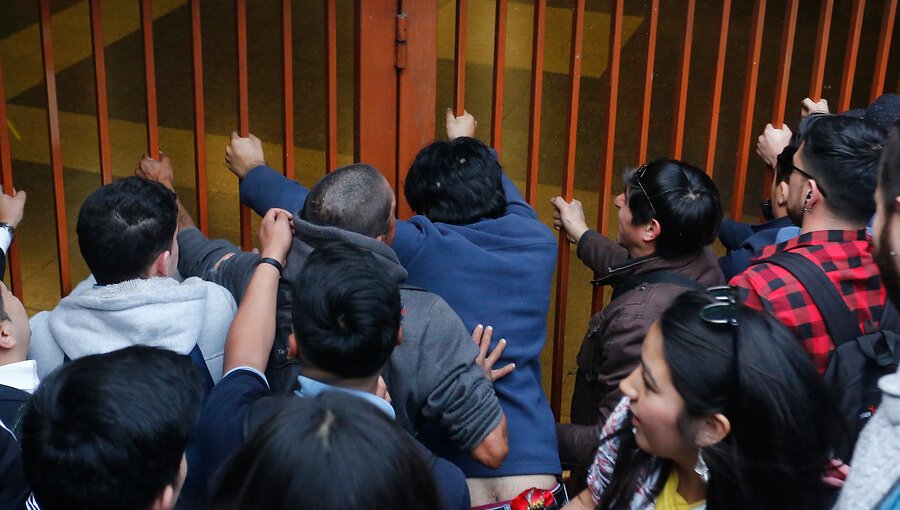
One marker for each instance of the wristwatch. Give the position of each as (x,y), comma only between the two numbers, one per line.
(9,228)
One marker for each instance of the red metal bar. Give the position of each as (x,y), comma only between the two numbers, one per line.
(287,66)
(605,192)
(243,107)
(6,178)
(716,101)
(818,73)
(331,143)
(648,81)
(749,103)
(199,122)
(499,63)
(537,95)
(856,19)
(684,72)
(59,192)
(150,76)
(100,90)
(884,48)
(459,76)
(568,184)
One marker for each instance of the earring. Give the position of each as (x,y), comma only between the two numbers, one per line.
(807,209)
(701,468)
(893,253)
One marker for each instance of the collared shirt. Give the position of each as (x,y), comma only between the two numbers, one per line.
(21,375)
(311,388)
(846,258)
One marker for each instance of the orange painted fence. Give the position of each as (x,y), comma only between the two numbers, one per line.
(396,90)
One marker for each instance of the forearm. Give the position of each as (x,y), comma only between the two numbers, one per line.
(263,188)
(493,449)
(598,252)
(184,217)
(253,329)
(583,501)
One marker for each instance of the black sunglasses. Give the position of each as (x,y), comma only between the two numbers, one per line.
(804,174)
(724,311)
(640,174)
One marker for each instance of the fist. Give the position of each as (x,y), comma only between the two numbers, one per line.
(809,107)
(772,142)
(157,170)
(276,234)
(12,208)
(568,217)
(460,126)
(244,154)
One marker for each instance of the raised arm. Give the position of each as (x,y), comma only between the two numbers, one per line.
(253,329)
(262,188)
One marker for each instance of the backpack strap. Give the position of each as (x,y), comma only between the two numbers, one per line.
(651,277)
(842,323)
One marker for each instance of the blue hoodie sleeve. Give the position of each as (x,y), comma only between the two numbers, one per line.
(263,188)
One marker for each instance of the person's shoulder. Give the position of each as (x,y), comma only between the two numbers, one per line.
(217,296)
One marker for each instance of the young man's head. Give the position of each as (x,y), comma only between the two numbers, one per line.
(834,173)
(109,431)
(886,226)
(456,182)
(346,312)
(126,230)
(355,198)
(670,208)
(15,332)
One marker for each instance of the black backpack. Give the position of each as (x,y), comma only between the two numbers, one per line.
(860,358)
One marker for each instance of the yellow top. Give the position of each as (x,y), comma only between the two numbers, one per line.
(669,499)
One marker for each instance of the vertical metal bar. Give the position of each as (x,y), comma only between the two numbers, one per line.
(537,95)
(781,82)
(684,72)
(287,66)
(459,76)
(150,77)
(199,119)
(499,63)
(59,191)
(818,69)
(856,19)
(100,91)
(749,103)
(716,100)
(568,184)
(615,59)
(331,142)
(243,107)
(648,81)
(6,178)
(884,48)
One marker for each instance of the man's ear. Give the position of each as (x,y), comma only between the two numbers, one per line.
(400,335)
(293,348)
(7,340)
(166,499)
(160,265)
(813,195)
(712,429)
(652,231)
(781,193)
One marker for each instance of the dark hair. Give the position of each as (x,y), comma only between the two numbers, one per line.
(889,169)
(346,311)
(108,431)
(785,161)
(843,154)
(4,316)
(354,197)
(456,182)
(682,198)
(124,226)
(784,423)
(330,451)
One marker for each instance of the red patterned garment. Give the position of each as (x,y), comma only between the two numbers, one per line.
(847,259)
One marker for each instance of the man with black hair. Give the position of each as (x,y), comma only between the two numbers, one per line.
(109,431)
(126,232)
(669,214)
(832,179)
(346,314)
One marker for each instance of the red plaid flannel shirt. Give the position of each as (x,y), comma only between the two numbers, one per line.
(846,257)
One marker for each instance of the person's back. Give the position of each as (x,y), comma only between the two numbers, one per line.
(126,233)
(109,431)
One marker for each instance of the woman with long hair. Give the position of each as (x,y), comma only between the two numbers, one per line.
(724,411)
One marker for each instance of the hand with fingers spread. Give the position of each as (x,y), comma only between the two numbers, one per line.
(276,234)
(482,336)
(244,154)
(464,125)
(809,107)
(569,216)
(159,170)
(771,143)
(12,208)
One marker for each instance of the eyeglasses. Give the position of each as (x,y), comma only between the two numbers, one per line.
(804,174)
(640,174)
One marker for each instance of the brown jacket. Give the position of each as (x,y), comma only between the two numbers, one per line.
(612,345)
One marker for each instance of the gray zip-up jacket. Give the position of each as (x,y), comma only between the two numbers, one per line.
(431,375)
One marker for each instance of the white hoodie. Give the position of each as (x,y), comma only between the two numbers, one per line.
(157,312)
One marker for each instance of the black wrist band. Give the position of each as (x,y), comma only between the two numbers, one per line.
(270,260)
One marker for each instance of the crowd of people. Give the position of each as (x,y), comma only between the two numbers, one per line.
(357,360)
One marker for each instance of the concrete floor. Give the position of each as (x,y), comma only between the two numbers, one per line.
(20,53)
